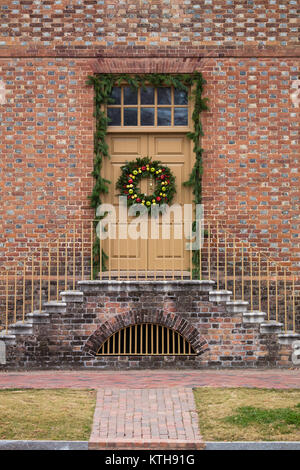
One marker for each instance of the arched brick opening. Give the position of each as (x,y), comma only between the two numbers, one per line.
(173,321)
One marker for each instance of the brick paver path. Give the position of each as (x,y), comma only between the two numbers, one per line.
(270,378)
(152,418)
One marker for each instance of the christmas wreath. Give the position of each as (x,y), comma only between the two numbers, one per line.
(134,171)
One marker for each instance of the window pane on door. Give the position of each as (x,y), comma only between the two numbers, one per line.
(180,97)
(163,95)
(116,95)
(130,116)
(114,114)
(147,116)
(130,95)
(164,116)
(180,116)
(147,95)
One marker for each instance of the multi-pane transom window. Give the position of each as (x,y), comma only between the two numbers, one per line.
(148,106)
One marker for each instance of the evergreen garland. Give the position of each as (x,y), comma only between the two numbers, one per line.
(103,85)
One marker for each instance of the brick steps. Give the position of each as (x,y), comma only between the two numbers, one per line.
(237,306)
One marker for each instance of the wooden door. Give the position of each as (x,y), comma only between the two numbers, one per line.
(173,149)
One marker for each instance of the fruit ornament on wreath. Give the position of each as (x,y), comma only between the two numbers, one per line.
(134,171)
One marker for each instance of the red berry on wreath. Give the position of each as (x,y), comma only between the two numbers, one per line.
(158,198)
(162,177)
(143,168)
(138,199)
(130,180)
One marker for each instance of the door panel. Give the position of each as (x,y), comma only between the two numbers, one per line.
(175,150)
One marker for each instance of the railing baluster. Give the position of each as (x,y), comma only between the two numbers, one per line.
(6,302)
(136,259)
(164,254)
(285,304)
(15,297)
(41,272)
(242,287)
(200,249)
(191,251)
(251,280)
(259,284)
(225,259)
(268,289)
(127,255)
(218,279)
(109,251)
(100,257)
(24,291)
(208,248)
(276,292)
(91,254)
(74,254)
(57,269)
(173,249)
(32,283)
(233,268)
(66,262)
(118,252)
(49,271)
(293,300)
(82,252)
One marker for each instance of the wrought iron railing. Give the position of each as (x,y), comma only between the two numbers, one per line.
(252,275)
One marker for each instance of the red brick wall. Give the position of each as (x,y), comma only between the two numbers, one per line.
(251,58)
(251,163)
(146,27)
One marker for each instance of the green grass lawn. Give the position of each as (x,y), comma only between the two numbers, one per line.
(60,414)
(246,414)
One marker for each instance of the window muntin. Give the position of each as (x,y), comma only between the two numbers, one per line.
(148,106)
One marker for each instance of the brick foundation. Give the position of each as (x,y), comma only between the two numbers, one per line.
(76,329)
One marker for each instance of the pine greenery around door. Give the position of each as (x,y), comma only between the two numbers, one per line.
(103,85)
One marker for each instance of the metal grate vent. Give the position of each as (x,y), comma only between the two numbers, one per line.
(146,339)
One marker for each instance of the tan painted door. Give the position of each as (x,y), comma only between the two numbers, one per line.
(173,149)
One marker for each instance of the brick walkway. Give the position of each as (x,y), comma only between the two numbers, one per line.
(271,378)
(155,418)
